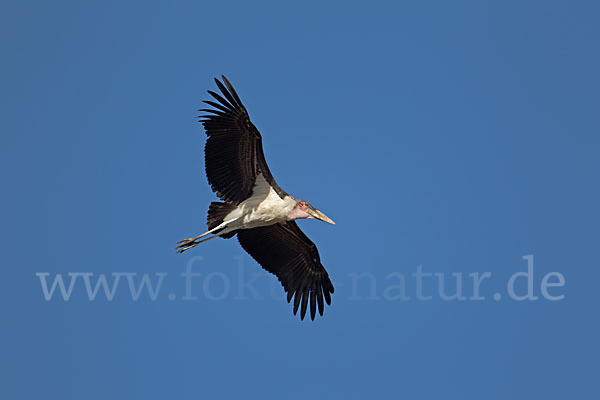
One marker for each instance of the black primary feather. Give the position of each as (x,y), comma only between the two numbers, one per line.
(233,152)
(284,250)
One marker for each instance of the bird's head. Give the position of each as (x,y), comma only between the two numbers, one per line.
(303,209)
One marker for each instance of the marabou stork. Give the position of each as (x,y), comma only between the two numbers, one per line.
(255,207)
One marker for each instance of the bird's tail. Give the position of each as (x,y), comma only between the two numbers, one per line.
(215,221)
(217,213)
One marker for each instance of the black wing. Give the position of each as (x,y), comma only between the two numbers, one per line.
(233,152)
(284,250)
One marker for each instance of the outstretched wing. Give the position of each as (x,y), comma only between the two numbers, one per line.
(284,250)
(233,152)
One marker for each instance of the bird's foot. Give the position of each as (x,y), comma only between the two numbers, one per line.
(187,244)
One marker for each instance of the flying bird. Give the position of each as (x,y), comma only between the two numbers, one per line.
(255,208)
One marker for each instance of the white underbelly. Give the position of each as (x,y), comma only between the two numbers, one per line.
(270,211)
(265,207)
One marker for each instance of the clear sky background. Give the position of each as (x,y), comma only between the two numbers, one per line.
(459,136)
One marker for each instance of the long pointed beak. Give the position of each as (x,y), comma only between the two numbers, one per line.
(319,215)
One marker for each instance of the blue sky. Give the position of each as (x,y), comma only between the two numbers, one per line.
(455,136)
